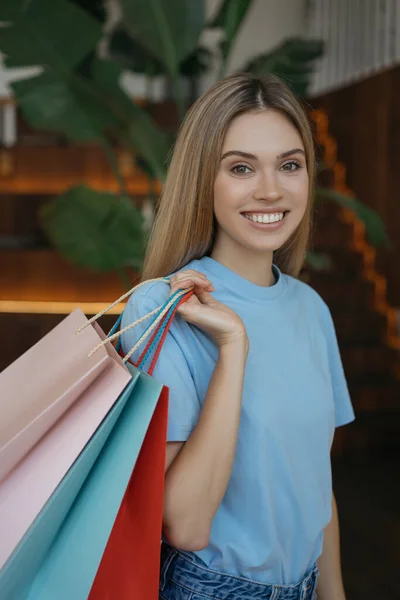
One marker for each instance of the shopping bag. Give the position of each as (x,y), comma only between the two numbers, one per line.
(36,568)
(130,565)
(27,488)
(37,389)
(72,527)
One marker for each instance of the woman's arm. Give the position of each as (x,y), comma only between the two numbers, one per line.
(330,584)
(197,479)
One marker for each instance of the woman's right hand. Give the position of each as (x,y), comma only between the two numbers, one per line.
(201,309)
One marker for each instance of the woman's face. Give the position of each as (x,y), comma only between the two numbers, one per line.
(262,171)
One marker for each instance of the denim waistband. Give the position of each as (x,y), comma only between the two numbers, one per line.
(195,577)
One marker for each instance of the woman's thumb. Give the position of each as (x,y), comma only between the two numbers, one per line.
(206,298)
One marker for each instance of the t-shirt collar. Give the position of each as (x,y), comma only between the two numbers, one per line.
(242,286)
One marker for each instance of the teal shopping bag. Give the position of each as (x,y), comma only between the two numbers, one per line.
(59,556)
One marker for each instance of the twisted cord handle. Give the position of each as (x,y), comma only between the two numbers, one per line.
(161,311)
(106,310)
(161,332)
(166,329)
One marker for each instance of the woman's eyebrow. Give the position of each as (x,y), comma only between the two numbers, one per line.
(239,153)
(254,157)
(290,152)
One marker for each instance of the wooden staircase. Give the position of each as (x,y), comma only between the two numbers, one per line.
(366,325)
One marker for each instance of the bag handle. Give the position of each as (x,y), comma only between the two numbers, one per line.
(158,338)
(158,324)
(161,310)
(108,308)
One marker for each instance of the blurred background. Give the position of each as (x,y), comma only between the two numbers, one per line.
(91,95)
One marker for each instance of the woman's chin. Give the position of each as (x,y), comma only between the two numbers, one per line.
(269,243)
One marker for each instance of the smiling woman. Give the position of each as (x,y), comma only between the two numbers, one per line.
(251,138)
(256,384)
(270,187)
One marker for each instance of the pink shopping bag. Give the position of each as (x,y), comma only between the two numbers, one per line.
(52,400)
(44,382)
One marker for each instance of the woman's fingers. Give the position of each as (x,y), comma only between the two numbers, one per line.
(185,274)
(186,279)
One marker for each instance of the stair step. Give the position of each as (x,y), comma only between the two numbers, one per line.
(330,233)
(343,261)
(359,327)
(351,294)
(358,360)
(367,398)
(372,380)
(328,213)
(371,431)
(326,178)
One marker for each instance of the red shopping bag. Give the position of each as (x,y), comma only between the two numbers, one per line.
(130,567)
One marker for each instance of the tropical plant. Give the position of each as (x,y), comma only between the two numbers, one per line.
(78,94)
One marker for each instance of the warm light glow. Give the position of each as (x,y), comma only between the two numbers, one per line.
(53,170)
(56,308)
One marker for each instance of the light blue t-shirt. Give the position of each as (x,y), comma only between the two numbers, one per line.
(269,525)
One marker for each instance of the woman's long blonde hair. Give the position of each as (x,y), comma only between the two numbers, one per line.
(184,227)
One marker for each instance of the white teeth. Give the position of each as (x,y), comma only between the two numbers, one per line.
(265,218)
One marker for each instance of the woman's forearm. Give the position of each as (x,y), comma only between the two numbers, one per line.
(330,584)
(197,479)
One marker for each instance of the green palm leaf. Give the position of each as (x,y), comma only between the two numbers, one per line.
(128,53)
(169,31)
(96,230)
(293,61)
(84,107)
(229,18)
(41,33)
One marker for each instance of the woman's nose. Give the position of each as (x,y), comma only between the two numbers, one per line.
(267,188)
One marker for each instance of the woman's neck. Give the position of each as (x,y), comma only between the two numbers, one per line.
(256,268)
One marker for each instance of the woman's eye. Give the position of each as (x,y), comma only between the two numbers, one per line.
(293,166)
(241,169)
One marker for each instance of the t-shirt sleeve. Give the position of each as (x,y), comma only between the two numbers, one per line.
(344,412)
(174,367)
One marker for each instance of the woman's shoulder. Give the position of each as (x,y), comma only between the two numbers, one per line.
(147,296)
(313,307)
(157,291)
(305,293)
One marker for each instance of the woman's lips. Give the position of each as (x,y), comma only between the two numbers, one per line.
(266,226)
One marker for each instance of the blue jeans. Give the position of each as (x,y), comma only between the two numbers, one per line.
(183,579)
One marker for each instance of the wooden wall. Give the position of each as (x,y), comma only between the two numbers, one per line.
(364,119)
